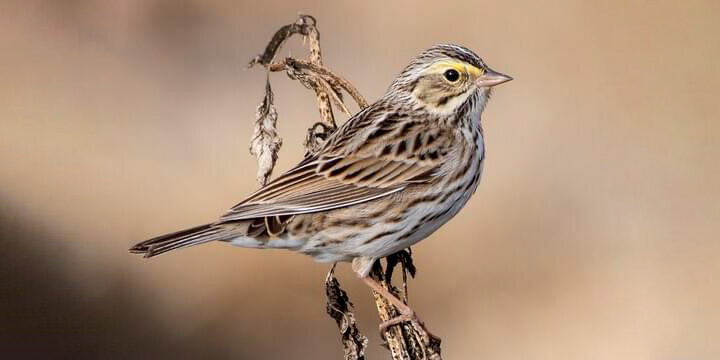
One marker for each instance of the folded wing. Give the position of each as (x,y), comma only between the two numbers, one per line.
(379,159)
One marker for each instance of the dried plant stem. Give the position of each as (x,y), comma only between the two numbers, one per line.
(322,97)
(335,81)
(406,341)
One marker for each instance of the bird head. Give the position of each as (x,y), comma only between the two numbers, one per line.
(444,77)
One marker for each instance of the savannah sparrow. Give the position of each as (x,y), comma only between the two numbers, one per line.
(386,179)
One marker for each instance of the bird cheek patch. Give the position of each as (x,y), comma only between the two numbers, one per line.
(430,90)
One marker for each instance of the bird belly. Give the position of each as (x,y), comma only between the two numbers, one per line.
(352,232)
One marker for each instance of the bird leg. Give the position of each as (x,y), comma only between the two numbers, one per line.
(406,313)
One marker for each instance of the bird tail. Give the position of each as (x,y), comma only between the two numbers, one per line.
(184,238)
(253,233)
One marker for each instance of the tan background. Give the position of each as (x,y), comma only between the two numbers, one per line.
(594,234)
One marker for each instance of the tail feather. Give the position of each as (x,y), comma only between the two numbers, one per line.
(254,229)
(184,238)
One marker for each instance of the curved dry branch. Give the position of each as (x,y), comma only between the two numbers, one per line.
(323,72)
(304,25)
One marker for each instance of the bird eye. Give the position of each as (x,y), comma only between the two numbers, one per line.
(451,75)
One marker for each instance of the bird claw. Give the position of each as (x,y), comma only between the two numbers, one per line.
(410,316)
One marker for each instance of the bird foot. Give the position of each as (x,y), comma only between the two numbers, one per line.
(406,313)
(407,316)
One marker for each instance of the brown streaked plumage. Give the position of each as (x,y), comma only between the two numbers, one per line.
(388,178)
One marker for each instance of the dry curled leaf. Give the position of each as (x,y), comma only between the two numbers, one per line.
(304,25)
(265,142)
(316,136)
(339,308)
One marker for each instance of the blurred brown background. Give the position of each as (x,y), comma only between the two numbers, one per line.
(594,234)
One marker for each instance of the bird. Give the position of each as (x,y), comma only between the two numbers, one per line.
(388,177)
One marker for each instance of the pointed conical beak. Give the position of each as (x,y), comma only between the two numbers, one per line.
(491,78)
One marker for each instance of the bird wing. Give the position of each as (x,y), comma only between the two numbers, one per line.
(365,159)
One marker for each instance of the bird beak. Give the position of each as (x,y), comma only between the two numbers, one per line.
(491,78)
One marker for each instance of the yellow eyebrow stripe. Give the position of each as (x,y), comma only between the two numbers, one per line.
(457,65)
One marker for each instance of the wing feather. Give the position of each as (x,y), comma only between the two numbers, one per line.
(365,159)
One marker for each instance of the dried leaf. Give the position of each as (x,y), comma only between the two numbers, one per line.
(304,25)
(316,136)
(338,307)
(265,142)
